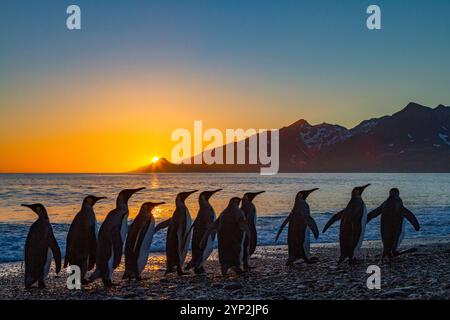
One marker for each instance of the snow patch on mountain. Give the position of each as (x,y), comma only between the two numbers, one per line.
(323,135)
(366,126)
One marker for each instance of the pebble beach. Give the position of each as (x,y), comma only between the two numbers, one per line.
(424,274)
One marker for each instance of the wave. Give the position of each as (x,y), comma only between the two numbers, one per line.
(435,222)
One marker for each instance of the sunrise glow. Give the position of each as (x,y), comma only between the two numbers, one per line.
(155,159)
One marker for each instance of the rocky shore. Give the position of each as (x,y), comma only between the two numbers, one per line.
(424,274)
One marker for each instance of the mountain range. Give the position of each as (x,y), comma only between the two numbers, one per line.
(415,139)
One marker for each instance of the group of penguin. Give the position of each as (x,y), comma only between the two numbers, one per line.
(235,229)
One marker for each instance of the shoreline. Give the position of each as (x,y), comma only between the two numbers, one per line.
(424,274)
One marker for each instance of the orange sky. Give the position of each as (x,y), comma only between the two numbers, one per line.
(108,125)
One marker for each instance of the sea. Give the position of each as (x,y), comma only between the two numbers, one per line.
(426,195)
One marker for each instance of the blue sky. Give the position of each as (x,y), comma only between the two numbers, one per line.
(247,63)
(322,45)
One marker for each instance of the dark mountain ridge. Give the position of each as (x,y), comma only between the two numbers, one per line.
(415,139)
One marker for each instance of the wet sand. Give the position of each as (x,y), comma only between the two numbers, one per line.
(424,274)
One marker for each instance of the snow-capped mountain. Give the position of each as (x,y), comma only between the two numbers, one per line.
(415,139)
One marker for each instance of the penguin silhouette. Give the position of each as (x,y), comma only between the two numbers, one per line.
(232,228)
(111,239)
(393,214)
(81,243)
(40,248)
(300,225)
(139,240)
(249,209)
(178,234)
(353,224)
(205,217)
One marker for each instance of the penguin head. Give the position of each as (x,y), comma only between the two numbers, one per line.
(394,192)
(305,193)
(207,194)
(182,196)
(357,191)
(126,194)
(251,195)
(91,200)
(235,201)
(149,206)
(38,208)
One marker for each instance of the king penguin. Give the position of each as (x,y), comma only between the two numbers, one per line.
(232,229)
(111,238)
(250,214)
(353,224)
(139,240)
(81,243)
(40,248)
(393,215)
(178,235)
(300,224)
(205,217)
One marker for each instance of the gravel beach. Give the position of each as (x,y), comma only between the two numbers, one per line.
(424,274)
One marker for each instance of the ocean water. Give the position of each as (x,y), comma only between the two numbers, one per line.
(427,195)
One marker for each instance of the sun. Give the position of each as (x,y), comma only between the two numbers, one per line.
(155,159)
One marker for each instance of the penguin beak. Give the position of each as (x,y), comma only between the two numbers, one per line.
(30,206)
(153,205)
(312,190)
(208,194)
(251,195)
(306,193)
(127,193)
(185,195)
(98,199)
(364,187)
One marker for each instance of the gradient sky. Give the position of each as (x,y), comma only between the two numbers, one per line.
(106,98)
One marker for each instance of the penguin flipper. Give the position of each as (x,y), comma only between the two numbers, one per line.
(333,219)
(117,249)
(374,213)
(163,225)
(53,244)
(67,258)
(285,222)
(411,218)
(186,237)
(92,250)
(213,227)
(243,224)
(313,226)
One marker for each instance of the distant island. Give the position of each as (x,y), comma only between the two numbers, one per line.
(415,139)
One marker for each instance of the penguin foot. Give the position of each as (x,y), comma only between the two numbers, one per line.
(169,270)
(224,270)
(247,267)
(397,253)
(353,261)
(199,270)
(182,273)
(341,259)
(41,285)
(289,263)
(312,260)
(238,270)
